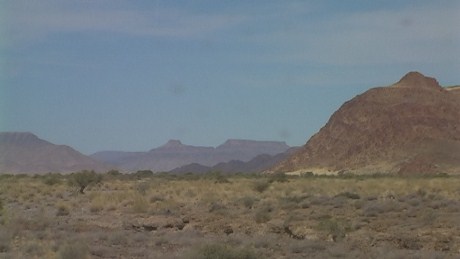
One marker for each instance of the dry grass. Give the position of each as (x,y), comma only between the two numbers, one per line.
(294,217)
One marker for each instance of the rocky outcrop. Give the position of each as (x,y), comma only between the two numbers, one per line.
(412,126)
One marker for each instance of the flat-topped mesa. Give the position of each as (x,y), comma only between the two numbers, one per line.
(418,81)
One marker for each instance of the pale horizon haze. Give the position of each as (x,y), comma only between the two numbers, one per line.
(130,75)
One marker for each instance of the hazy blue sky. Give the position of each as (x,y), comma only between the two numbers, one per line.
(129,75)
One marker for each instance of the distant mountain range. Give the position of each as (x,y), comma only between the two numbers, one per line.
(174,154)
(26,153)
(22,152)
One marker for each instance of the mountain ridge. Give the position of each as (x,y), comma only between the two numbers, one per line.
(175,154)
(258,164)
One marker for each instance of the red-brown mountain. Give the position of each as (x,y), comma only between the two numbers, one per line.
(412,126)
(26,153)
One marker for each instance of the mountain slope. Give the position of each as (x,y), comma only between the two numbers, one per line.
(26,153)
(412,126)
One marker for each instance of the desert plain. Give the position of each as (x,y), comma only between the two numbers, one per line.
(144,215)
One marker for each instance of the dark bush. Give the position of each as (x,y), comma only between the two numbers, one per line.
(62,210)
(261,185)
(142,174)
(85,178)
(307,174)
(248,201)
(219,178)
(114,173)
(278,177)
(349,195)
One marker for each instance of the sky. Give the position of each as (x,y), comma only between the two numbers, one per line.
(130,75)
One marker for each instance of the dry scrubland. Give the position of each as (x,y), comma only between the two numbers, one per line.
(144,216)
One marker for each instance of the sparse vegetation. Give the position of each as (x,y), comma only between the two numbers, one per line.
(263,214)
(336,229)
(253,216)
(139,204)
(5,240)
(248,201)
(1,207)
(62,210)
(278,177)
(213,251)
(52,179)
(74,250)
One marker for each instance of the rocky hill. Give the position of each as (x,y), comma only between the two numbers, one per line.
(26,153)
(412,126)
(174,154)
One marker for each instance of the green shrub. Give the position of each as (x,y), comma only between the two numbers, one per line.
(335,228)
(51,179)
(85,178)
